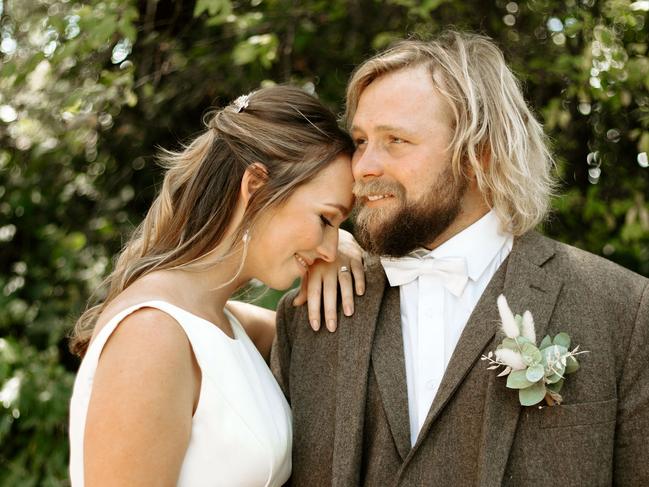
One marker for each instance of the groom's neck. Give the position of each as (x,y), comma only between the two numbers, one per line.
(471,212)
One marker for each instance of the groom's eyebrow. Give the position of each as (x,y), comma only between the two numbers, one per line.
(393,128)
(384,128)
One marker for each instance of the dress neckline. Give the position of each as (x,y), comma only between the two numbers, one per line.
(236,326)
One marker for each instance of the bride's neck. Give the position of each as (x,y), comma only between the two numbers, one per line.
(204,284)
(214,279)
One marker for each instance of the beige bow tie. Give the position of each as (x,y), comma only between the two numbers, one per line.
(452,271)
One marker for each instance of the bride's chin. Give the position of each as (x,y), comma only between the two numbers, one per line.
(284,285)
(285,281)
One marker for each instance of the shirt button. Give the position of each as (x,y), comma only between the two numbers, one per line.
(430,384)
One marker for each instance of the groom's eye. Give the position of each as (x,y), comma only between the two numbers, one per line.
(359,141)
(397,140)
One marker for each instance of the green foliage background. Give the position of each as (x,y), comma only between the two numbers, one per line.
(89,89)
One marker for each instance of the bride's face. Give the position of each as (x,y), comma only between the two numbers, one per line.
(305,228)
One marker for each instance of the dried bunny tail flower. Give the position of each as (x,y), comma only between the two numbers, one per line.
(507,318)
(528,330)
(510,358)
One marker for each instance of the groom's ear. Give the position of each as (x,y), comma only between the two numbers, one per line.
(484,160)
(485,157)
(254,177)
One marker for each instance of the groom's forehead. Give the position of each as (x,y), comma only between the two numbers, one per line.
(382,117)
(403,116)
(398,99)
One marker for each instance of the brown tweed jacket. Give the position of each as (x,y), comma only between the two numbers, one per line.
(349,399)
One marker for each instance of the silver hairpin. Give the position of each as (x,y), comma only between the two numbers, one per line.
(241,103)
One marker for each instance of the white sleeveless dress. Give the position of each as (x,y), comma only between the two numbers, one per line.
(241,429)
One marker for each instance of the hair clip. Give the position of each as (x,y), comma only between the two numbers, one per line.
(241,103)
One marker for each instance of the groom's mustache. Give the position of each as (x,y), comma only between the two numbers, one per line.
(376,187)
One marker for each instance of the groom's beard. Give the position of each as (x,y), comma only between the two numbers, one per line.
(413,224)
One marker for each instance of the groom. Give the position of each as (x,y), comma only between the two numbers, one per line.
(452,175)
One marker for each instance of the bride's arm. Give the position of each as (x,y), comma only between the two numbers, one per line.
(258,322)
(139,418)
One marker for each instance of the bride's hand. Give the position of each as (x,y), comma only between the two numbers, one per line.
(323,278)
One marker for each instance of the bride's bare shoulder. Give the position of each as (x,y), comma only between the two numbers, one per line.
(154,287)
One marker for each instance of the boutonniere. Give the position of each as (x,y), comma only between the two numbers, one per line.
(537,372)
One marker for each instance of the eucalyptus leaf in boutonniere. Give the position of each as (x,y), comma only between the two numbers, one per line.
(538,372)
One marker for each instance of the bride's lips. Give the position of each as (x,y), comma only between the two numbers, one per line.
(302,261)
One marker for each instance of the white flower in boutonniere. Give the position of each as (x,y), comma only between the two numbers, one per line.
(537,372)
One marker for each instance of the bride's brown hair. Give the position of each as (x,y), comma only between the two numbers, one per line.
(287,130)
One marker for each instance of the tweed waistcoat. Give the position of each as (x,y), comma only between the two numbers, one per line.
(452,435)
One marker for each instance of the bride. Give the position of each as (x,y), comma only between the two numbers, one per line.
(173,388)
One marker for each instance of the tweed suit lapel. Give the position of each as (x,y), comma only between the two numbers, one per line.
(478,332)
(525,284)
(355,337)
(528,286)
(390,369)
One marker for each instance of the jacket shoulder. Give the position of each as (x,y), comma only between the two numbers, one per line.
(590,275)
(287,314)
(587,266)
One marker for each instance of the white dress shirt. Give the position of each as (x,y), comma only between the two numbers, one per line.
(432,317)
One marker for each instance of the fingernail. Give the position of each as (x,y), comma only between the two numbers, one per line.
(331,325)
(361,291)
(315,324)
(348,310)
(294,303)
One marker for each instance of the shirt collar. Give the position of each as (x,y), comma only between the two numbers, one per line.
(479,244)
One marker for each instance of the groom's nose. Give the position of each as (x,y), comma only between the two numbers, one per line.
(366,163)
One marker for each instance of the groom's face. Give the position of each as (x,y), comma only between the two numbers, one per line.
(406,193)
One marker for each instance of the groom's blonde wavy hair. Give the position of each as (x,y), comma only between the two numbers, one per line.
(495,132)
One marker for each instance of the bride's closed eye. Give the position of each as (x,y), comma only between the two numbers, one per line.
(325,221)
